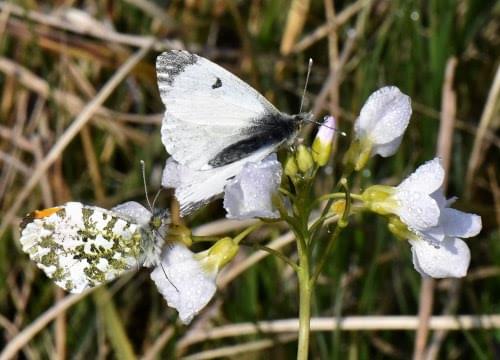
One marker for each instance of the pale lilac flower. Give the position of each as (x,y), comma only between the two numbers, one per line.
(322,144)
(249,194)
(183,282)
(433,229)
(326,131)
(187,280)
(383,121)
(439,252)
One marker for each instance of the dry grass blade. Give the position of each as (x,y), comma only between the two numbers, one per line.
(487,122)
(495,189)
(347,323)
(72,131)
(294,24)
(100,32)
(159,344)
(244,348)
(322,31)
(333,54)
(35,327)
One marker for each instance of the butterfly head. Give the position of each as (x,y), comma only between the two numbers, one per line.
(303,116)
(159,220)
(299,119)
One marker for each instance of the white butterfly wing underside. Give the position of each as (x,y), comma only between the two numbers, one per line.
(207,108)
(80,246)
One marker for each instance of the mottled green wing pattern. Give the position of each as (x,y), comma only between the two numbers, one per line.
(80,246)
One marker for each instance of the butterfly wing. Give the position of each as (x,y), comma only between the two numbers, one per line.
(195,188)
(80,246)
(212,117)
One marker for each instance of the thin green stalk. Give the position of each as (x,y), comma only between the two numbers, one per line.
(197,238)
(339,196)
(245,232)
(305,303)
(340,226)
(278,254)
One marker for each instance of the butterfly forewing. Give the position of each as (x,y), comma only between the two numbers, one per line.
(208,110)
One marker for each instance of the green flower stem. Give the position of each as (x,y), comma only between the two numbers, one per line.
(305,292)
(245,232)
(286,192)
(342,223)
(339,196)
(204,238)
(279,255)
(329,203)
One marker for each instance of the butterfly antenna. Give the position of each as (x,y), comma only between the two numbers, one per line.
(166,276)
(156,196)
(143,169)
(343,133)
(309,67)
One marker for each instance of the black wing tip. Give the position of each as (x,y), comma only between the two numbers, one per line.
(178,57)
(171,64)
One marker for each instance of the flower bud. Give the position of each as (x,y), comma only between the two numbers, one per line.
(290,167)
(399,229)
(358,154)
(379,199)
(304,159)
(322,145)
(221,253)
(179,233)
(338,207)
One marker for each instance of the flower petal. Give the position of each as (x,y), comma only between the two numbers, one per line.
(184,284)
(426,179)
(460,224)
(327,130)
(435,234)
(388,149)
(249,194)
(448,259)
(384,116)
(417,210)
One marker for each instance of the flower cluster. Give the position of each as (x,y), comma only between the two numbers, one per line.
(425,220)
(253,187)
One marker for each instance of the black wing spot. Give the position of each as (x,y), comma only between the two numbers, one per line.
(217,84)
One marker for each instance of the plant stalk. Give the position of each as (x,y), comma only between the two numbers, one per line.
(305,305)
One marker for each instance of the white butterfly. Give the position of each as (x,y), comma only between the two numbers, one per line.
(214,124)
(80,246)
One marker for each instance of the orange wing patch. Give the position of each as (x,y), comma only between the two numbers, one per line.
(38,214)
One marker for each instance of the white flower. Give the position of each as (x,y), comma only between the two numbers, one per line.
(183,282)
(439,252)
(383,120)
(249,194)
(413,200)
(187,280)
